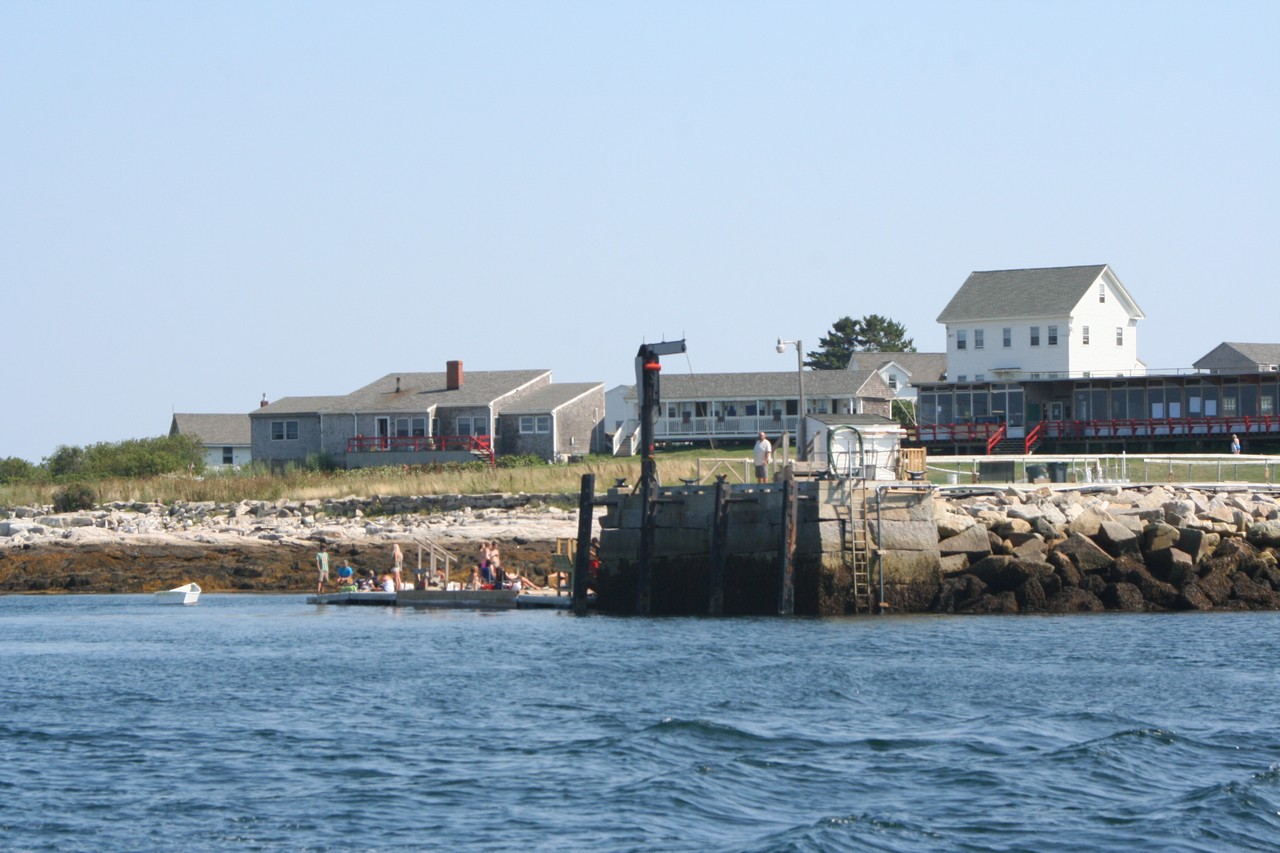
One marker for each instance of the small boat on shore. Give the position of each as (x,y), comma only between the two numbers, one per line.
(185,594)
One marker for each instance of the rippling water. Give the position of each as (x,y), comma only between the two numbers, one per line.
(264,723)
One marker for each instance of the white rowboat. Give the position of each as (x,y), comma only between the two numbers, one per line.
(185,594)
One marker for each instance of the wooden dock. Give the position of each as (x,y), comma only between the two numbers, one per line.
(479,599)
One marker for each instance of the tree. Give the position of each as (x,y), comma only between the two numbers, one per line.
(15,470)
(873,333)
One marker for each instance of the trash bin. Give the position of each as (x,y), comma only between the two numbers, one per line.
(1057,472)
(1036,473)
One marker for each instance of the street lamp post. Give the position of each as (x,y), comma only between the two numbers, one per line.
(802,430)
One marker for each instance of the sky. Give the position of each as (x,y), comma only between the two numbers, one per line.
(205,202)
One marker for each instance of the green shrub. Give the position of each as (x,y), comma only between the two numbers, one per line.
(15,470)
(527,460)
(74,496)
(322,461)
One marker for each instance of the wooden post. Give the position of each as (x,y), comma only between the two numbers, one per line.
(719,544)
(582,559)
(787,545)
(644,563)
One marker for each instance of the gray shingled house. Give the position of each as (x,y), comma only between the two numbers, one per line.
(1241,358)
(424,418)
(706,407)
(226,438)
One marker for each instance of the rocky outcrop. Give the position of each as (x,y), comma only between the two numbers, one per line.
(264,546)
(1111,548)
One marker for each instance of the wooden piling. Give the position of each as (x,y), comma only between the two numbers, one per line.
(787,545)
(582,559)
(719,545)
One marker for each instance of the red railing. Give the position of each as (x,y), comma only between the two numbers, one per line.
(1139,427)
(1101,429)
(480,445)
(965,433)
(1033,438)
(997,437)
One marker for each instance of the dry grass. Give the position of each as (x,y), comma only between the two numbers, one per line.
(311,485)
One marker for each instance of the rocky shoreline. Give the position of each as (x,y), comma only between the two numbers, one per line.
(265,546)
(1135,548)
(1001,550)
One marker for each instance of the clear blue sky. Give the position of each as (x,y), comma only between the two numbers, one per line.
(203,202)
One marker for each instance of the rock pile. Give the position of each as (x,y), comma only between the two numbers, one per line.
(264,546)
(1109,548)
(435,517)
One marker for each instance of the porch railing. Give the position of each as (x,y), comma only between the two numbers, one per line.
(478,445)
(975,433)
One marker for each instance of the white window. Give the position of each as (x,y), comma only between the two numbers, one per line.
(1102,292)
(284,430)
(1008,337)
(228,457)
(535,424)
(1035,336)
(980,377)
(1084,336)
(1119,336)
(977,338)
(1053,336)
(893,382)
(962,378)
(962,339)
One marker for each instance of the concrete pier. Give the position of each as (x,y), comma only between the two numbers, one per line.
(770,549)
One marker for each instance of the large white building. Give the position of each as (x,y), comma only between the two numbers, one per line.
(1058,322)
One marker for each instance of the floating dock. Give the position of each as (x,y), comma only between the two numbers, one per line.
(478,599)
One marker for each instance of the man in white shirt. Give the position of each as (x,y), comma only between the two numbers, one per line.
(763,456)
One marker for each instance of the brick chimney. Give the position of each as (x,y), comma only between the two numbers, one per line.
(453,375)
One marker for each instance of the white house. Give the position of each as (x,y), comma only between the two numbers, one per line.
(901,371)
(1047,323)
(226,438)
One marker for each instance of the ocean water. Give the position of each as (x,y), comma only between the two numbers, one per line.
(264,723)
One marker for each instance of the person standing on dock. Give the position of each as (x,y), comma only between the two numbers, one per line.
(763,458)
(397,563)
(322,569)
(1235,443)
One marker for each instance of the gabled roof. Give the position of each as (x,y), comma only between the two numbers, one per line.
(1237,356)
(1027,293)
(419,393)
(548,398)
(772,385)
(300,406)
(920,366)
(213,429)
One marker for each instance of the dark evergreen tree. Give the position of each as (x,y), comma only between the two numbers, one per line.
(873,333)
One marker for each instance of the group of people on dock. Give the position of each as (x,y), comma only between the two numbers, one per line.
(487,573)
(350,581)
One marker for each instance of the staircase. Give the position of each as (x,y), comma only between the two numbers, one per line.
(626,441)
(1010,447)
(855,542)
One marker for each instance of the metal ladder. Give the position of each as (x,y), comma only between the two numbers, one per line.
(856,544)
